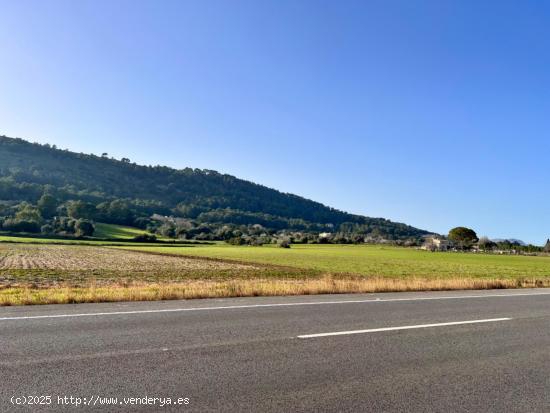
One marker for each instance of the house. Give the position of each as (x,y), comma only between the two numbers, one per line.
(435,243)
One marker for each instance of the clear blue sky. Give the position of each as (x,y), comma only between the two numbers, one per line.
(434,113)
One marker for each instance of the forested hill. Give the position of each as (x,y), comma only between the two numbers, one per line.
(29,170)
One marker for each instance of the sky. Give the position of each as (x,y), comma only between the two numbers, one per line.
(434,113)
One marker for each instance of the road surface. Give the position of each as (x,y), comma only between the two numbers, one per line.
(474,351)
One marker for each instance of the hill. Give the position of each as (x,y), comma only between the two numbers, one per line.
(124,192)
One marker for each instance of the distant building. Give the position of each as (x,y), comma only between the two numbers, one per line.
(435,243)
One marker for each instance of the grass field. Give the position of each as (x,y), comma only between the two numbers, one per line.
(66,241)
(116,231)
(120,232)
(376,261)
(112,232)
(38,273)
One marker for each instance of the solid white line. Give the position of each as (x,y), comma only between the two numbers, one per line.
(176,310)
(377,330)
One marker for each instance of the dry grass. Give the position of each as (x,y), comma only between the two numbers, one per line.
(245,288)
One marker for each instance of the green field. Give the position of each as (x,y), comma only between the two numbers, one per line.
(378,261)
(103,231)
(74,241)
(116,231)
(106,234)
(37,240)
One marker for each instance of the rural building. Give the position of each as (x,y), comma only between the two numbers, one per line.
(435,243)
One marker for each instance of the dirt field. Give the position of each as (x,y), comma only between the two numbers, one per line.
(45,265)
(76,258)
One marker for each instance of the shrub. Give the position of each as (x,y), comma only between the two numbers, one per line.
(19,225)
(284,243)
(145,238)
(47,229)
(236,241)
(84,228)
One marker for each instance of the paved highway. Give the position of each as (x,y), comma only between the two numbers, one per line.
(471,351)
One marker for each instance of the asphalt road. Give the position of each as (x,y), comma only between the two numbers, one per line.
(257,354)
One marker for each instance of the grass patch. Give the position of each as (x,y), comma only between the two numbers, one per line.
(121,232)
(116,231)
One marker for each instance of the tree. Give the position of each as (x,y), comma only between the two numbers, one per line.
(27,212)
(81,210)
(47,204)
(485,244)
(117,211)
(547,246)
(236,241)
(84,228)
(284,242)
(17,225)
(168,229)
(463,237)
(47,229)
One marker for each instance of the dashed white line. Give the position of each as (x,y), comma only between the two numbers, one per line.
(378,330)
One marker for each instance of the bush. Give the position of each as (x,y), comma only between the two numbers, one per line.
(47,229)
(19,225)
(284,243)
(143,222)
(236,241)
(84,228)
(145,238)
(256,241)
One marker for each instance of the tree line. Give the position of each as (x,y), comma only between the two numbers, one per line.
(466,239)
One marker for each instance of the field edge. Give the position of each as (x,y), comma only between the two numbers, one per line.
(198,289)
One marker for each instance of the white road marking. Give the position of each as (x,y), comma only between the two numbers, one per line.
(245,306)
(377,330)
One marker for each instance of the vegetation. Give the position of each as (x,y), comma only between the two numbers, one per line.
(47,190)
(241,288)
(40,273)
(116,222)
(55,240)
(112,231)
(375,261)
(462,237)
(47,265)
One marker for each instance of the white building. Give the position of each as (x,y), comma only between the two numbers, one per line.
(435,243)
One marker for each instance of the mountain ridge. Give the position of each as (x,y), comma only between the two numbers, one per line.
(28,170)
